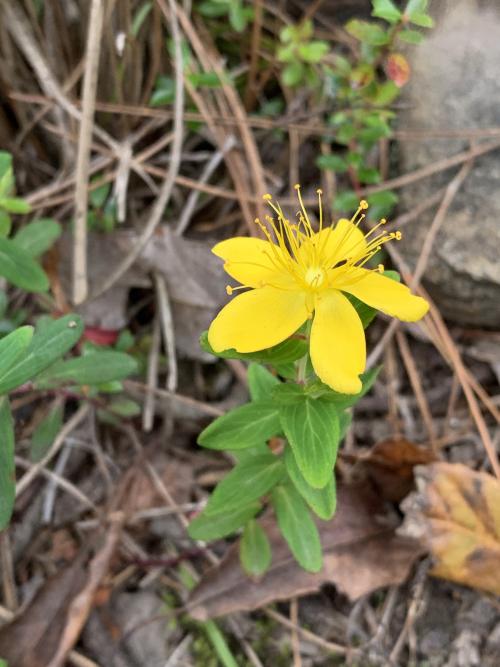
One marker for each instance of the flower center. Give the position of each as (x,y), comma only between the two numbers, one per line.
(314,277)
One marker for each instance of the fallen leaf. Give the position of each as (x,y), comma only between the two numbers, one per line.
(31,640)
(193,275)
(361,553)
(81,605)
(456,514)
(398,69)
(487,349)
(141,494)
(101,336)
(47,629)
(390,465)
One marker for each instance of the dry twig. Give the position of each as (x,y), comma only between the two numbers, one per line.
(175,160)
(80,286)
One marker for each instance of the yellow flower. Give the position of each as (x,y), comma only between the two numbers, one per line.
(301,274)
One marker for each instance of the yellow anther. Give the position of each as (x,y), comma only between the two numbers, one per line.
(363,204)
(229,290)
(267,197)
(296,186)
(383,221)
(319,191)
(398,236)
(381,268)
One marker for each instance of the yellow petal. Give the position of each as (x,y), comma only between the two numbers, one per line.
(384,294)
(258,319)
(252,261)
(338,348)
(343,241)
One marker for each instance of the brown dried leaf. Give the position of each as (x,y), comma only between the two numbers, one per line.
(139,492)
(31,640)
(390,466)
(194,277)
(456,514)
(45,632)
(361,553)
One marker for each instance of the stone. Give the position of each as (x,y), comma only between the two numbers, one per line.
(145,634)
(455,85)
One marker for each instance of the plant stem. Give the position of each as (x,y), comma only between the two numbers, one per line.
(302,363)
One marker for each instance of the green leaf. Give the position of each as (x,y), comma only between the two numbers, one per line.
(332,162)
(369,33)
(224,523)
(45,433)
(5,224)
(6,174)
(212,9)
(206,79)
(3,303)
(125,407)
(293,74)
(164,92)
(369,175)
(345,133)
(370,135)
(94,368)
(385,9)
(298,527)
(346,201)
(255,549)
(13,347)
(345,420)
(20,269)
(247,482)
(38,236)
(313,52)
(322,501)
(240,455)
(237,16)
(48,344)
(284,353)
(382,203)
(246,426)
(411,37)
(98,196)
(286,53)
(288,393)
(139,18)
(15,205)
(219,644)
(125,341)
(422,20)
(386,93)
(7,467)
(261,382)
(366,313)
(416,7)
(312,429)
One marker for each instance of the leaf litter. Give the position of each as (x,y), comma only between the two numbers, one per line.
(455,513)
(362,553)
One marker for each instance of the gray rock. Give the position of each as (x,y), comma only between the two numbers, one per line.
(455,85)
(145,634)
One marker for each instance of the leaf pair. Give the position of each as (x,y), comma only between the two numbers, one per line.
(23,355)
(234,500)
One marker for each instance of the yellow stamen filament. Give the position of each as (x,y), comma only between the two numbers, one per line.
(296,250)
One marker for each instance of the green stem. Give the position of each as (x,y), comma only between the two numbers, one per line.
(302,363)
